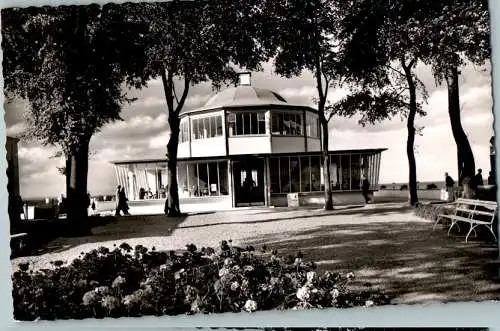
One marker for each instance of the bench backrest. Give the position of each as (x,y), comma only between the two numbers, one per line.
(475,202)
(486,208)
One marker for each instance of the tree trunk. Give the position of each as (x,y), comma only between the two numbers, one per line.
(410,143)
(76,186)
(460,164)
(172,202)
(326,163)
(467,165)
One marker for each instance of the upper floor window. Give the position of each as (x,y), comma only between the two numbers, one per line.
(289,124)
(184,132)
(246,123)
(206,127)
(313,128)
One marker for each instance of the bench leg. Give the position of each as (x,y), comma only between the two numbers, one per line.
(436,223)
(453,223)
(472,228)
(490,227)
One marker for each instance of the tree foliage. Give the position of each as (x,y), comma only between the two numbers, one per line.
(386,39)
(188,43)
(68,63)
(307,39)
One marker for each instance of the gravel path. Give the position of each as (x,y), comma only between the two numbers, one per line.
(203,229)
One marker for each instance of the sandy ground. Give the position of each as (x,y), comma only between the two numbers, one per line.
(385,245)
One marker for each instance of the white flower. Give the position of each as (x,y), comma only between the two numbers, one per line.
(235,286)
(178,274)
(335,293)
(311,277)
(163,267)
(228,261)
(223,272)
(298,261)
(369,303)
(350,275)
(248,268)
(89,298)
(130,299)
(102,290)
(250,306)
(110,302)
(236,268)
(118,281)
(303,293)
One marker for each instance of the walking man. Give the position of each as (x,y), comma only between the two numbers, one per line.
(449,184)
(117,200)
(478,179)
(366,187)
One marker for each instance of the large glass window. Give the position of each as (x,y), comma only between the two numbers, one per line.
(285,174)
(246,123)
(295,174)
(184,131)
(355,172)
(313,128)
(305,174)
(289,124)
(335,172)
(274,167)
(346,169)
(206,127)
(203,179)
(316,173)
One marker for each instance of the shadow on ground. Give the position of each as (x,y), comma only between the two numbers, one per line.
(409,261)
(118,228)
(392,250)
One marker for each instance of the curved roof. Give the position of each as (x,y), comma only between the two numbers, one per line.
(243,96)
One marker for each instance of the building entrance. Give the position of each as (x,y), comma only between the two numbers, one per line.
(248,178)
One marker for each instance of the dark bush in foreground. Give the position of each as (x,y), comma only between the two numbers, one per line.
(126,282)
(403,187)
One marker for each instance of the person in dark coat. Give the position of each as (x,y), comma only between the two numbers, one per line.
(491,179)
(122,202)
(117,199)
(478,179)
(365,186)
(450,185)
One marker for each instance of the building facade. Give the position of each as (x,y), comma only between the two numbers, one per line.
(247,147)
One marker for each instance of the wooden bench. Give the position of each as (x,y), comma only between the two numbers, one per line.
(469,211)
(18,241)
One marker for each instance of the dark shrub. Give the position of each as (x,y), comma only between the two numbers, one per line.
(431,186)
(403,187)
(126,282)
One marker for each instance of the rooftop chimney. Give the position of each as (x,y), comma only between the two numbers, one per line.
(245,79)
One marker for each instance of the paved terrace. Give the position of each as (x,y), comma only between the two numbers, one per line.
(385,245)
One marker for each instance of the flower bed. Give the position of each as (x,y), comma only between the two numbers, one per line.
(430,211)
(135,282)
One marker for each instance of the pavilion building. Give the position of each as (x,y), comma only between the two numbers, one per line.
(248,147)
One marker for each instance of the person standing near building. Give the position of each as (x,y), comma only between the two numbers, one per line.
(491,179)
(365,186)
(449,184)
(117,200)
(123,205)
(478,179)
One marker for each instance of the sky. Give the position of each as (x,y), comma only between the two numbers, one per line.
(144,131)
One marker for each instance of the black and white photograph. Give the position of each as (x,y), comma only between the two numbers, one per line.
(205,157)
